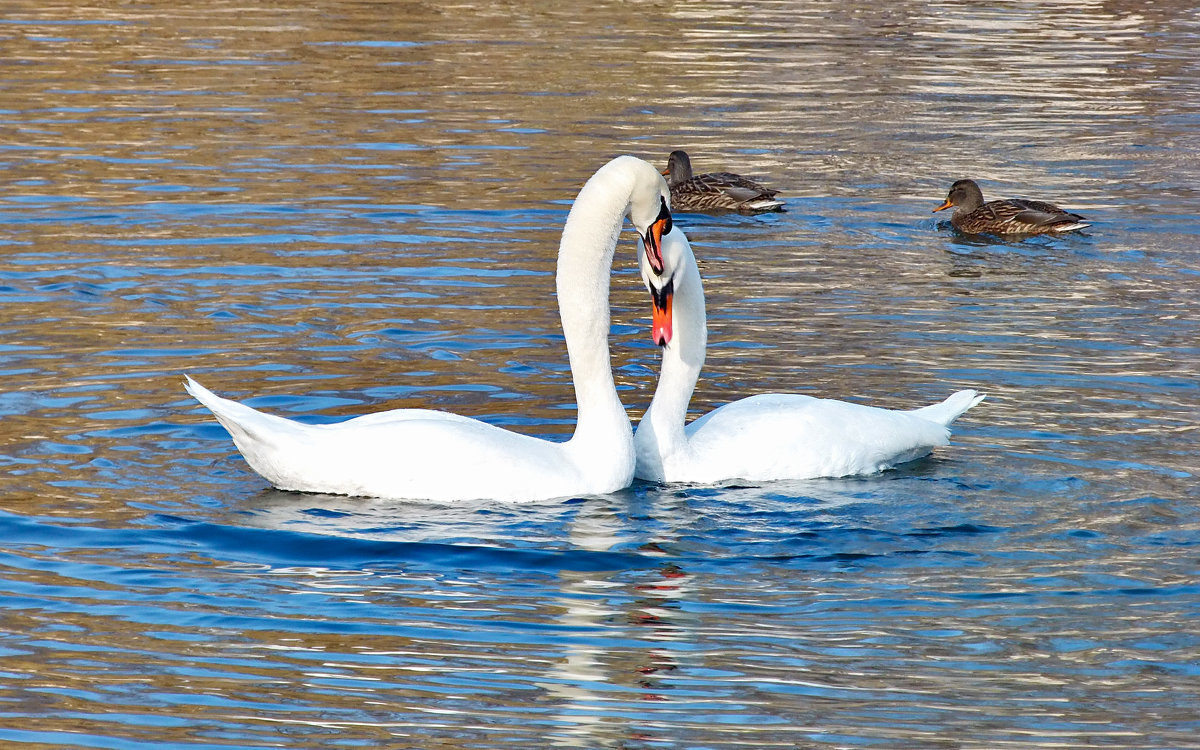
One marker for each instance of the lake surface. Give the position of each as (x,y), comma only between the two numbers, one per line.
(329,209)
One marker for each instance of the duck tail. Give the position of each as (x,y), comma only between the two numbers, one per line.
(947,411)
(1071,227)
(766,204)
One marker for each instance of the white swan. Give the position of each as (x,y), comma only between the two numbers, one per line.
(433,455)
(765,437)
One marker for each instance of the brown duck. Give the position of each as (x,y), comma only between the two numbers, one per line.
(1010,216)
(716,191)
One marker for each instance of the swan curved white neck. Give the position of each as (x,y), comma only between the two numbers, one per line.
(682,357)
(585,257)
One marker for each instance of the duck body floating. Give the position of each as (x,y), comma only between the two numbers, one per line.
(1008,216)
(715,191)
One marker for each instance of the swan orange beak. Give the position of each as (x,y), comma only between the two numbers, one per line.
(652,243)
(942,207)
(660,319)
(653,238)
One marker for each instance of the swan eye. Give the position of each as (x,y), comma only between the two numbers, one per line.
(664,215)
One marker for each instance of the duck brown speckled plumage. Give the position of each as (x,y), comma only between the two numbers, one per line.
(1009,216)
(715,191)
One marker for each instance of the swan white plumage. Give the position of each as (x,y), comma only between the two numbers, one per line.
(439,456)
(766,437)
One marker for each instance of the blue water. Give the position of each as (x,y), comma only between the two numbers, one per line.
(332,210)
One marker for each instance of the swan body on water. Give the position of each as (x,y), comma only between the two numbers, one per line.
(769,436)
(434,455)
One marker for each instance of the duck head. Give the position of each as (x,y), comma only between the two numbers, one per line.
(965,194)
(679,168)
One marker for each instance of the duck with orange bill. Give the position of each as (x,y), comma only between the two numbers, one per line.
(1008,216)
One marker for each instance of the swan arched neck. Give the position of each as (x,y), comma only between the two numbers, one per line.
(585,258)
(682,359)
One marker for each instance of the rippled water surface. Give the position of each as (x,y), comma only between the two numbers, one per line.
(335,208)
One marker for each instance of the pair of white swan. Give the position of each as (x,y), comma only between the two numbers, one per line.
(439,456)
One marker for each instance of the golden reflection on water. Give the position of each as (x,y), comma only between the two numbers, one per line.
(479,106)
(498,105)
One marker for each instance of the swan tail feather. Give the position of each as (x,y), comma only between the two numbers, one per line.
(245,424)
(945,412)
